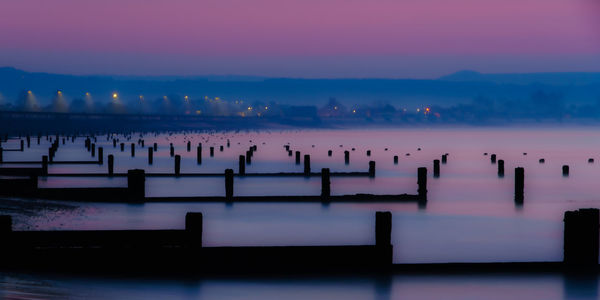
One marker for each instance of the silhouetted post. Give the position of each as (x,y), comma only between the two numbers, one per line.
(329,153)
(212,151)
(290,152)
(325,183)
(519,184)
(501,168)
(28,141)
(100,155)
(287,147)
(142,143)
(155,146)
(541,161)
(444,158)
(493,158)
(114,143)
(346,157)
(436,168)
(590,160)
(193,228)
(221,148)
(565,170)
(132,149)
(51,154)
(136,185)
(189,146)
(199,155)
(5,224)
(23,145)
(150,155)
(242,165)
(1,155)
(395,159)
(38,140)
(111,161)
(93,150)
(297,157)
(171,150)
(122,147)
(306,164)
(422,183)
(581,237)
(248,157)
(368,152)
(383,228)
(177,165)
(372,169)
(44,165)
(229,184)
(228,143)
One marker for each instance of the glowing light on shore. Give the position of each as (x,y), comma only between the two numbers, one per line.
(115,96)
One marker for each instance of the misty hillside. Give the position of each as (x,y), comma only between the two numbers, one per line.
(461,87)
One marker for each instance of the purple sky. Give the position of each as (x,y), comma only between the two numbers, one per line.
(300,38)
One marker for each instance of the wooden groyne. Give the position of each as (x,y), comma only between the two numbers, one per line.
(158,251)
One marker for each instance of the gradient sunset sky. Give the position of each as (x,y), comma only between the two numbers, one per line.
(300,38)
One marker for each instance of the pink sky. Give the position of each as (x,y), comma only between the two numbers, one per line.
(339,38)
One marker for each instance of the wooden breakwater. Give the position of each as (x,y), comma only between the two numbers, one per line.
(157,251)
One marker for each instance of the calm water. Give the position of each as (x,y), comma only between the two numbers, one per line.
(470,216)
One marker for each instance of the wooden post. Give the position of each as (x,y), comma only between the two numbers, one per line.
(325,183)
(368,152)
(150,155)
(155,146)
(189,146)
(44,165)
(1,155)
(519,184)
(132,149)
(248,157)
(114,143)
(444,158)
(372,169)
(111,160)
(383,228)
(395,159)
(100,155)
(501,168)
(329,153)
(493,158)
(346,157)
(23,145)
(581,238)
(221,148)
(193,227)
(290,152)
(229,184)
(93,150)
(436,168)
(212,151)
(171,150)
(199,155)
(122,147)
(177,165)
(422,183)
(565,170)
(136,185)
(242,165)
(297,157)
(306,165)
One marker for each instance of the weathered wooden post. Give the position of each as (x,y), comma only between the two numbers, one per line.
(114,143)
(383,238)
(44,165)
(221,148)
(542,160)
(306,165)
(229,184)
(100,155)
(297,157)
(501,168)
(212,151)
(519,184)
(193,228)
(372,169)
(248,157)
(242,165)
(177,165)
(150,155)
(136,185)
(171,150)
(422,183)
(493,158)
(132,149)
(1,155)
(329,153)
(28,141)
(368,152)
(590,160)
(436,168)
(189,146)
(290,152)
(122,147)
(395,159)
(346,157)
(325,183)
(155,146)
(51,154)
(93,150)
(581,238)
(444,158)
(565,170)
(23,145)
(111,161)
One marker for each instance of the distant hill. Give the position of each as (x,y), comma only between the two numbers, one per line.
(460,87)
